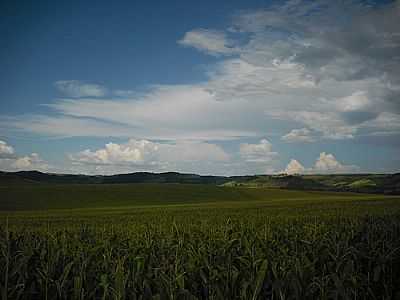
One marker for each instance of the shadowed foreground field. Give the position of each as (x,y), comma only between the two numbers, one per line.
(171,241)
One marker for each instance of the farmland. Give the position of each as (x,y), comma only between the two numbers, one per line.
(187,241)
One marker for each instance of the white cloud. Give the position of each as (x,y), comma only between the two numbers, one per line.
(358,101)
(327,67)
(302,135)
(326,163)
(78,89)
(330,125)
(6,151)
(29,162)
(261,152)
(210,41)
(294,167)
(386,123)
(148,155)
(125,93)
(296,63)
(165,113)
(133,152)
(182,156)
(9,161)
(66,126)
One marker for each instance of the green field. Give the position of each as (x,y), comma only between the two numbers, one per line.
(48,196)
(181,241)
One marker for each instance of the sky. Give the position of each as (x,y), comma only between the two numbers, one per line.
(207,87)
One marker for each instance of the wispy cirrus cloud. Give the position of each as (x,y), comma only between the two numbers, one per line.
(213,42)
(165,113)
(78,89)
(300,65)
(302,135)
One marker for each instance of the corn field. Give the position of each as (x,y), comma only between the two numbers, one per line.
(194,254)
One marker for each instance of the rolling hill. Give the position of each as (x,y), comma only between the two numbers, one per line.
(361,183)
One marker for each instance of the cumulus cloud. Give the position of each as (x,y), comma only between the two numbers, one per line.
(183,156)
(302,135)
(213,42)
(261,152)
(78,89)
(147,152)
(148,155)
(326,163)
(6,151)
(294,167)
(134,152)
(29,162)
(9,161)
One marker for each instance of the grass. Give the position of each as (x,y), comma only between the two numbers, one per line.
(48,196)
(171,241)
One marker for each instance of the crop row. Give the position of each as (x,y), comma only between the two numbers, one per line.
(343,258)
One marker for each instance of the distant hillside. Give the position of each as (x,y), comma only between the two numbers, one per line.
(138,177)
(362,183)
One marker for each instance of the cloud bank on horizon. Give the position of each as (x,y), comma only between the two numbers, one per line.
(304,71)
(10,161)
(187,156)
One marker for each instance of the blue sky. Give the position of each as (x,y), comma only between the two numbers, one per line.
(211,87)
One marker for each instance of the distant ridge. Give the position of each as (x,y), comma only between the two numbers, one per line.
(362,183)
(137,177)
